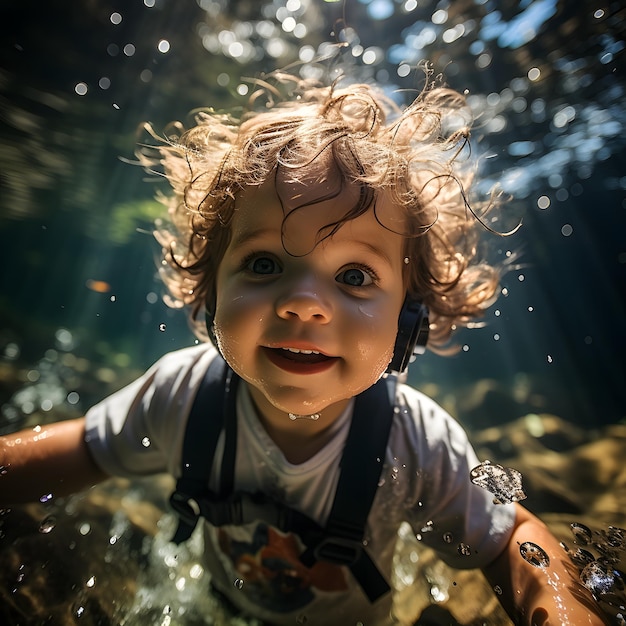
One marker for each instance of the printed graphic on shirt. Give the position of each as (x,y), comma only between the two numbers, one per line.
(272,574)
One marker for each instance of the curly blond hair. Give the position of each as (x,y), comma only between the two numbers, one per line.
(414,153)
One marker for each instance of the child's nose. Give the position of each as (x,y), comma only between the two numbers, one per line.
(305,300)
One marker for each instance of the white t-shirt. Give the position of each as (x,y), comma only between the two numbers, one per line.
(425,481)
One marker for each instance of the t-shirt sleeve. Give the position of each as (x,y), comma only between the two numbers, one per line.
(139,430)
(456,518)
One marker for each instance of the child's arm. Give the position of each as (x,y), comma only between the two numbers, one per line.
(51,460)
(539,596)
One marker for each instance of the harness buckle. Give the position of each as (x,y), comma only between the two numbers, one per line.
(187,507)
(338,551)
(246,507)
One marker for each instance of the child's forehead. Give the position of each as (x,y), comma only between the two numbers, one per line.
(315,200)
(306,204)
(310,184)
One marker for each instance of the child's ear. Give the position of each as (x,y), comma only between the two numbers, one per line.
(412,337)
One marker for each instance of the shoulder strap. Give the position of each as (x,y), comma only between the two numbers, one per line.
(361,467)
(205,422)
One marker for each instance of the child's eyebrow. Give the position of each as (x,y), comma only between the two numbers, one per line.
(373,249)
(247,236)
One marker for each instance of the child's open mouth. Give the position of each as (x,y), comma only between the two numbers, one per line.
(299,361)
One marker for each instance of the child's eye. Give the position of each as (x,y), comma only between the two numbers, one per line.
(355,277)
(262,265)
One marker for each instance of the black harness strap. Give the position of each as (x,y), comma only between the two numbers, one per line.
(206,420)
(361,466)
(342,540)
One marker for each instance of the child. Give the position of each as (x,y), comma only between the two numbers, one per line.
(315,235)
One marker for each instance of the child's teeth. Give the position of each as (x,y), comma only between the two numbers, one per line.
(296,351)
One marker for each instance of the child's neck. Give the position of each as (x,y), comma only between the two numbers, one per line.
(298,439)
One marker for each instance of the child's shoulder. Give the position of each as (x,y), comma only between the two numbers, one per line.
(427,425)
(186,366)
(189,357)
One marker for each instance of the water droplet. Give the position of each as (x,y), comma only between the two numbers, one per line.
(534,554)
(46,498)
(80,611)
(581,533)
(581,557)
(47,525)
(363,310)
(616,537)
(504,482)
(464,549)
(91,582)
(238,583)
(597,579)
(427,527)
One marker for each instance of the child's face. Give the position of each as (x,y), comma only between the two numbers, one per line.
(340,299)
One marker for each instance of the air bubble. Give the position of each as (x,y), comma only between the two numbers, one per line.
(616,537)
(581,533)
(162,327)
(581,557)
(505,483)
(238,583)
(46,498)
(145,442)
(464,549)
(47,525)
(534,554)
(597,579)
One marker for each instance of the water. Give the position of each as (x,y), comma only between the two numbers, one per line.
(81,309)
